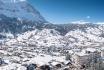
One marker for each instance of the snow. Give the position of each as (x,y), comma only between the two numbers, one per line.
(29,46)
(6,61)
(45,37)
(50,38)
(22,68)
(102,48)
(81,54)
(71,51)
(91,49)
(3,51)
(76,50)
(54,63)
(10,67)
(16,58)
(6,1)
(41,60)
(20,9)
(59,59)
(66,62)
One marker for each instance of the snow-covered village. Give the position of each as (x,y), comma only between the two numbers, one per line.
(51,35)
(48,58)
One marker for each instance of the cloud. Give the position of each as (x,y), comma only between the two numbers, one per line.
(99,23)
(88,17)
(80,22)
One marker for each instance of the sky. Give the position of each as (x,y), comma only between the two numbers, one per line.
(65,11)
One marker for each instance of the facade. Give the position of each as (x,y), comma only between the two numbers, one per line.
(102,52)
(87,58)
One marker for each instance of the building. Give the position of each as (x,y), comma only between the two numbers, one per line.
(102,51)
(87,58)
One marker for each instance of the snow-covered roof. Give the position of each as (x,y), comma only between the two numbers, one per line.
(66,62)
(102,48)
(71,51)
(81,54)
(91,49)
(54,63)
(41,60)
(76,50)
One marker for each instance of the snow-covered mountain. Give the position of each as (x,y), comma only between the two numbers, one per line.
(17,16)
(26,39)
(82,36)
(48,45)
(20,9)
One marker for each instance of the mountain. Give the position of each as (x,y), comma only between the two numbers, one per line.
(17,16)
(20,9)
(28,41)
(76,35)
(25,25)
(65,28)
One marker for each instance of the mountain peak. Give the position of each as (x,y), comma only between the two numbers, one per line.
(18,16)
(12,1)
(22,10)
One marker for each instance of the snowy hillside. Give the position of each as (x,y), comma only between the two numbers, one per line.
(49,47)
(52,37)
(45,37)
